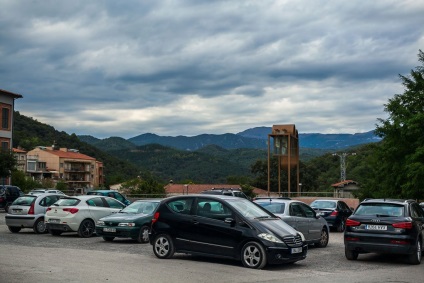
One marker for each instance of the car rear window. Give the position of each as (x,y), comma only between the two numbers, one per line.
(24,201)
(273,206)
(67,202)
(380,209)
(324,204)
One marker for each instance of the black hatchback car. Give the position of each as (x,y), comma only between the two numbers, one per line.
(9,194)
(385,226)
(224,226)
(334,211)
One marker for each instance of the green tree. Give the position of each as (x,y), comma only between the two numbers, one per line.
(400,158)
(7,163)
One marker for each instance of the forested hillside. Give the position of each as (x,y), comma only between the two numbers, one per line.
(29,133)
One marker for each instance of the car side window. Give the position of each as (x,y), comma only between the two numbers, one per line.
(296,210)
(182,206)
(119,197)
(309,212)
(95,202)
(416,211)
(114,203)
(213,209)
(49,200)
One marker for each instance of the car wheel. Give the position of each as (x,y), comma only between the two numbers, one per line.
(415,258)
(253,255)
(14,229)
(86,229)
(323,242)
(163,247)
(108,239)
(40,226)
(55,232)
(351,255)
(341,226)
(143,235)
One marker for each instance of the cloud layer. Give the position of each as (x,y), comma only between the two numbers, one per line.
(123,68)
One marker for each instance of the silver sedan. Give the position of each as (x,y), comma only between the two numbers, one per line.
(301,217)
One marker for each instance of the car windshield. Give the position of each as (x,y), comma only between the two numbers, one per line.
(24,201)
(145,207)
(67,202)
(94,193)
(249,209)
(324,204)
(273,207)
(380,209)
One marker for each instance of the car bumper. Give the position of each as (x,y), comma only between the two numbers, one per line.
(120,232)
(61,227)
(23,221)
(277,255)
(362,245)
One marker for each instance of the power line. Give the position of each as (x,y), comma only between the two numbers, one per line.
(343,164)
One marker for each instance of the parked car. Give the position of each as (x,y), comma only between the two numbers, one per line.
(422,205)
(112,194)
(335,212)
(9,194)
(386,226)
(226,192)
(301,217)
(79,214)
(224,226)
(28,212)
(131,222)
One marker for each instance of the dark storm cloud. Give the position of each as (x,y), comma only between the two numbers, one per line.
(165,66)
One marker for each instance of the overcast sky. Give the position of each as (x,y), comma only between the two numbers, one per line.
(124,68)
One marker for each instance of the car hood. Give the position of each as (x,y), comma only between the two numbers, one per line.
(276,226)
(125,217)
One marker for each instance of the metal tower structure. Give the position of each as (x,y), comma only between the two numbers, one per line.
(343,164)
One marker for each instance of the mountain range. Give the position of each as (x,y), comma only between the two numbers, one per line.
(254,138)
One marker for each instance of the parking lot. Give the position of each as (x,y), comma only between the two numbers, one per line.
(28,257)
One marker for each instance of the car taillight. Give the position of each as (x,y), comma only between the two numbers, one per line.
(31,208)
(155,217)
(352,239)
(1,199)
(403,225)
(48,209)
(399,242)
(72,210)
(334,213)
(350,222)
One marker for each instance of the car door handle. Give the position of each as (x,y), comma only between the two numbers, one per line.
(195,222)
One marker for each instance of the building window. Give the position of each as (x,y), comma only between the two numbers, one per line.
(31,165)
(5,145)
(5,118)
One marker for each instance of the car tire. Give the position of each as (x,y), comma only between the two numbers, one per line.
(323,242)
(108,239)
(14,229)
(415,258)
(351,255)
(55,232)
(342,225)
(143,235)
(40,226)
(163,246)
(86,228)
(253,255)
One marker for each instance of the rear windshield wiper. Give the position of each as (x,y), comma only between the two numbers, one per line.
(383,215)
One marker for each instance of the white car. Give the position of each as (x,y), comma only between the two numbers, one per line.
(79,214)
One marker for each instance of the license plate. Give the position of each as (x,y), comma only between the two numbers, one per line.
(54,221)
(112,230)
(296,250)
(376,227)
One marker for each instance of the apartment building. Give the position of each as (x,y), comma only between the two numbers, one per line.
(7,106)
(20,156)
(77,170)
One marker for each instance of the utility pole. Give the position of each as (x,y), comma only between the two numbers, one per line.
(343,164)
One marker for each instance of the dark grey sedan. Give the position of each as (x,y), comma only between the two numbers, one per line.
(301,217)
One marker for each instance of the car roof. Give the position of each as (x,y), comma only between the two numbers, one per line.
(85,197)
(204,196)
(388,201)
(102,191)
(333,200)
(42,195)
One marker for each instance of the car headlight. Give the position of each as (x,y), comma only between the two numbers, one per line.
(100,223)
(126,224)
(269,237)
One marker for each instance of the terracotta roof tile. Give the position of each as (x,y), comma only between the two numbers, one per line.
(69,154)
